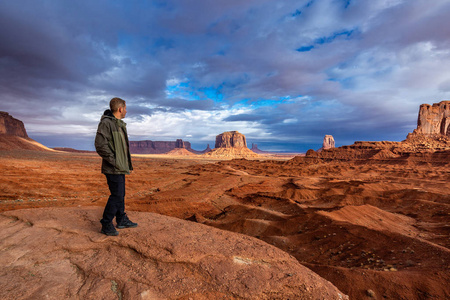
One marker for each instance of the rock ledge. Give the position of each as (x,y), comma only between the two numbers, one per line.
(58,253)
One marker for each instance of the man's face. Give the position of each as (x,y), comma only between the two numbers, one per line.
(122,111)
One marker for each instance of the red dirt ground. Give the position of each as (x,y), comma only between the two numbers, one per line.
(377,229)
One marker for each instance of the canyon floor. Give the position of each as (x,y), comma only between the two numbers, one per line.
(376,229)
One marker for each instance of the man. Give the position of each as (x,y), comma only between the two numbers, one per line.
(111,143)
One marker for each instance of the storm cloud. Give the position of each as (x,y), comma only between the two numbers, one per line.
(284,73)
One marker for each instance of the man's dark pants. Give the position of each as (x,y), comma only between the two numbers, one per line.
(115,207)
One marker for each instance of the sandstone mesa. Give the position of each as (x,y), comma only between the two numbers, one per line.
(231,144)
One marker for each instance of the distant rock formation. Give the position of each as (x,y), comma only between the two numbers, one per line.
(13,135)
(157,147)
(230,139)
(180,152)
(434,119)
(429,142)
(65,149)
(257,150)
(180,144)
(231,144)
(11,126)
(208,149)
(420,148)
(328,142)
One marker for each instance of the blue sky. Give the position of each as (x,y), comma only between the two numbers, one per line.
(284,73)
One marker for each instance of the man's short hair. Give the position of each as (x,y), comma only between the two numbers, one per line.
(115,103)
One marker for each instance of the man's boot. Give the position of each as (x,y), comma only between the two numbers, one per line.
(109,229)
(124,222)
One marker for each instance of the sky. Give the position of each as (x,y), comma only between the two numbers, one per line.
(284,73)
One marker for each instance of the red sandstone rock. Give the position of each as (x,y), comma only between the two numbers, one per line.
(158,147)
(180,152)
(230,139)
(152,147)
(208,149)
(328,142)
(231,144)
(230,153)
(434,119)
(13,135)
(11,126)
(179,143)
(58,253)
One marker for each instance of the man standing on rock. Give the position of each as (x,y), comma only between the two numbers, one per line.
(111,143)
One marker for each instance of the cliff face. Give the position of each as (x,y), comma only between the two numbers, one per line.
(434,119)
(11,126)
(13,135)
(328,142)
(230,139)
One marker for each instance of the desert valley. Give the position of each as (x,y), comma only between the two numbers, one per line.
(363,221)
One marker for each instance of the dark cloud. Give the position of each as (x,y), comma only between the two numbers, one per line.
(280,70)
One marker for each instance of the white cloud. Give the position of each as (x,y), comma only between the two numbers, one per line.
(196,124)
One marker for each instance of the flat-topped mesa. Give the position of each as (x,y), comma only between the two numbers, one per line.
(11,126)
(434,119)
(231,139)
(231,144)
(157,147)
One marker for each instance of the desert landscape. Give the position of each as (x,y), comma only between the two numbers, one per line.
(368,220)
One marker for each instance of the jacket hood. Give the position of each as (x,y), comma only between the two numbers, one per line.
(109,115)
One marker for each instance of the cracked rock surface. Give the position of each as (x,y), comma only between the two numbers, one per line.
(58,253)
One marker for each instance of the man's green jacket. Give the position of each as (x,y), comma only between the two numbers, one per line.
(111,143)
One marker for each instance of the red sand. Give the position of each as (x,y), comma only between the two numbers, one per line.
(377,228)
